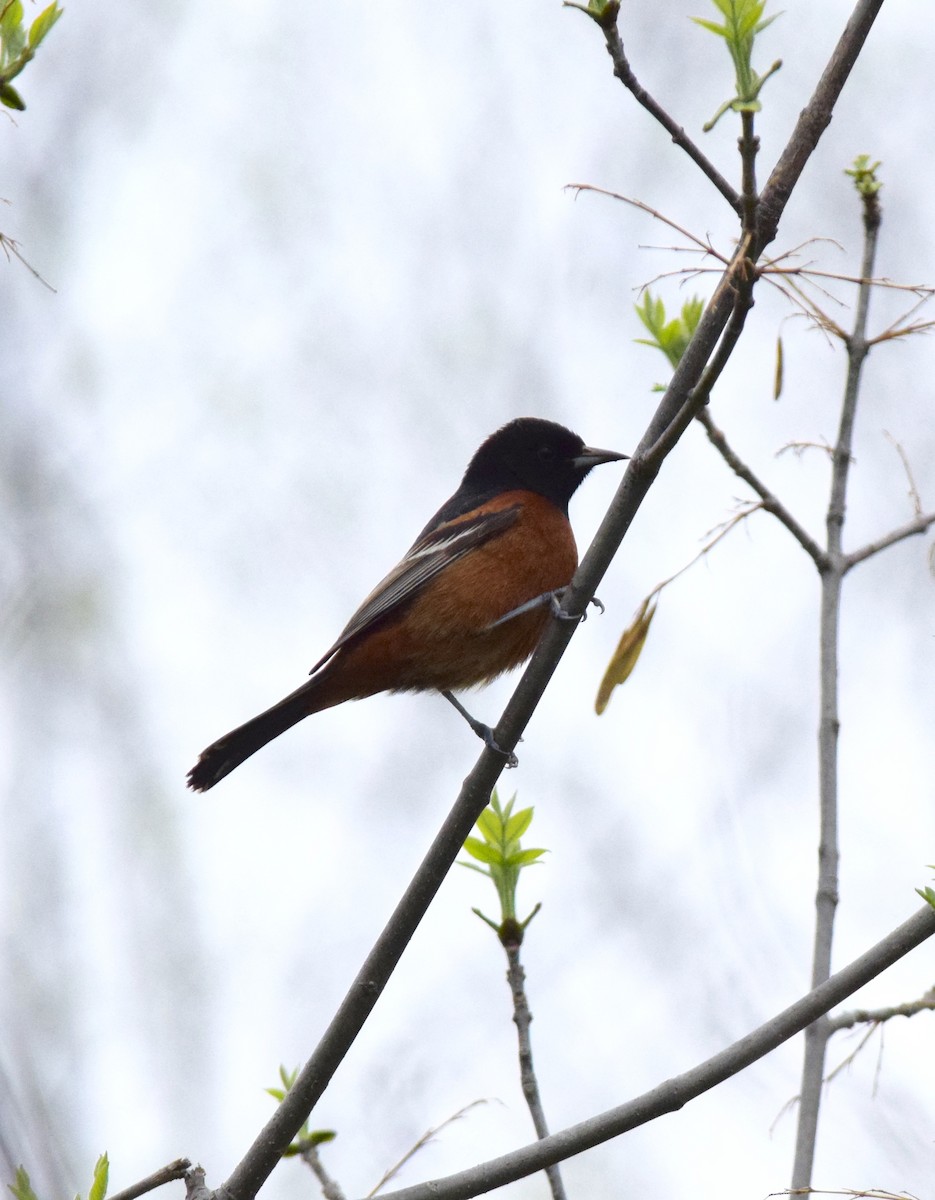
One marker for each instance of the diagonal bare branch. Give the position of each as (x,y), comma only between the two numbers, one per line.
(175,1170)
(624,73)
(875,1016)
(768,499)
(675,1093)
(913,528)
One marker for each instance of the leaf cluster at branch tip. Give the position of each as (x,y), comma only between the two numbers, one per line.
(500,850)
(864,175)
(743,20)
(18,45)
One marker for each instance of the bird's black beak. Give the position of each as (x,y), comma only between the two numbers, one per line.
(592,457)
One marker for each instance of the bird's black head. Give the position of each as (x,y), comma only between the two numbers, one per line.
(539,455)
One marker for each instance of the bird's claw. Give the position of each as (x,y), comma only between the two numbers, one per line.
(555,604)
(492,744)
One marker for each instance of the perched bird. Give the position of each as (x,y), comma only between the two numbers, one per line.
(468,601)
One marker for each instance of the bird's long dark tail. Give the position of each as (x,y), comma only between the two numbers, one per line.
(228,752)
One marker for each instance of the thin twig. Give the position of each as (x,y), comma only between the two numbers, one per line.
(749,145)
(875,1016)
(850,1058)
(174,1170)
(784,278)
(10,248)
(330,1188)
(904,459)
(700,243)
(832,576)
(798,448)
(714,535)
(422,1141)
(768,499)
(858,1194)
(901,331)
(912,528)
(807,306)
(923,291)
(624,73)
(522,1018)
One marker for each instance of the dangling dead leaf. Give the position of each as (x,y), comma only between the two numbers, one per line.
(777,381)
(628,651)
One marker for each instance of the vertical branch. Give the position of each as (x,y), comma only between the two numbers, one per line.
(833,569)
(330,1189)
(522,1018)
(749,144)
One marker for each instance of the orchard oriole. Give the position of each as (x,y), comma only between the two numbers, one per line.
(469,600)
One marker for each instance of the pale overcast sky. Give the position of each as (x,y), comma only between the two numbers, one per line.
(305,258)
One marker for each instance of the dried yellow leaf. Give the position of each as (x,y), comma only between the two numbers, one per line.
(777,381)
(627,653)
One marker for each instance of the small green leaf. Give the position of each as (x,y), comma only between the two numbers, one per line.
(604,12)
(21,1187)
(43,23)
(99,1184)
(691,313)
(671,337)
(927,894)
(482,851)
(10,97)
(11,17)
(490,825)
(308,1141)
(863,172)
(743,22)
(504,855)
(502,810)
(12,34)
(769,20)
(523,858)
(318,1137)
(517,825)
(710,26)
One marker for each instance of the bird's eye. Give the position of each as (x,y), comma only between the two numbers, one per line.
(546,454)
